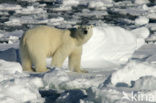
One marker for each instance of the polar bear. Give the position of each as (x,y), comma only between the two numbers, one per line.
(43,41)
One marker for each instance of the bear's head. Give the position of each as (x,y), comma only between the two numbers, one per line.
(82,33)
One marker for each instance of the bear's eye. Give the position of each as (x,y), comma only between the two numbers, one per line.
(85,31)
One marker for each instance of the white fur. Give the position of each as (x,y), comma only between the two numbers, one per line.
(41,42)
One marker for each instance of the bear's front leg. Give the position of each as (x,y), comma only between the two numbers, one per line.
(60,55)
(75,60)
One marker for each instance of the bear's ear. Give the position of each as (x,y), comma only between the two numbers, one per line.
(77,26)
(91,26)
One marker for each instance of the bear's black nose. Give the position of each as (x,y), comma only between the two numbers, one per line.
(85,31)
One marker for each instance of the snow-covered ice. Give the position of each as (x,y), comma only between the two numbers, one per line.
(18,87)
(145,83)
(131,72)
(141,21)
(10,67)
(9,7)
(140,1)
(113,44)
(19,91)
(120,56)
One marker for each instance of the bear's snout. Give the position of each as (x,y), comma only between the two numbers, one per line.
(85,31)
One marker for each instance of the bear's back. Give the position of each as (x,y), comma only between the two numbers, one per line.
(45,36)
(43,32)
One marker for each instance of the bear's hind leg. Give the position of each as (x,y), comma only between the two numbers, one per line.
(60,55)
(26,63)
(40,63)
